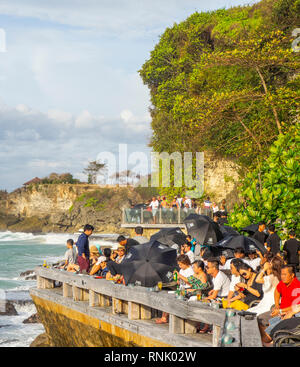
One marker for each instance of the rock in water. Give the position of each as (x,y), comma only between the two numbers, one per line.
(33,319)
(41,341)
(7,309)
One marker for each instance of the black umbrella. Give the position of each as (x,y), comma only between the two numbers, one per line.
(246,243)
(170,236)
(227,231)
(204,229)
(149,264)
(250,229)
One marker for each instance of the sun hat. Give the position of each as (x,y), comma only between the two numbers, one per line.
(94,250)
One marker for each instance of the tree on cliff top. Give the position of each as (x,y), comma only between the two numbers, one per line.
(93,170)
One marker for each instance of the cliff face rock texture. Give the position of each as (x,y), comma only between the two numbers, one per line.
(66,208)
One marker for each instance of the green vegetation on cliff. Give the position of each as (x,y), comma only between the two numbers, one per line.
(226,81)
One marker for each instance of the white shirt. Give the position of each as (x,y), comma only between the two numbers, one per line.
(154,204)
(215,208)
(222,284)
(226,266)
(189,202)
(234,281)
(191,256)
(253,263)
(186,273)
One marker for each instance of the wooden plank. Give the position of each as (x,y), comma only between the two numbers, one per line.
(40,282)
(104,301)
(134,312)
(146,313)
(176,325)
(48,283)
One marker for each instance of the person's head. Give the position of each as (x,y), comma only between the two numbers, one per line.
(212,267)
(107,252)
(252,254)
(121,251)
(189,238)
(235,266)
(70,243)
(122,240)
(183,262)
(88,229)
(245,271)
(102,262)
(239,253)
(222,206)
(198,266)
(94,251)
(261,226)
(222,259)
(186,247)
(139,230)
(164,198)
(208,198)
(153,198)
(292,234)
(114,254)
(287,274)
(216,217)
(276,264)
(271,228)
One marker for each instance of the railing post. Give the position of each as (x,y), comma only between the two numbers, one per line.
(67,290)
(145,312)
(160,216)
(142,215)
(216,335)
(190,327)
(117,306)
(176,325)
(93,299)
(134,312)
(179,215)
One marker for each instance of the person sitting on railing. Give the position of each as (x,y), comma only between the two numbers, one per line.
(70,257)
(100,268)
(186,249)
(186,271)
(197,281)
(248,291)
(235,279)
(94,255)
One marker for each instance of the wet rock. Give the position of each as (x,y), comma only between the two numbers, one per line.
(33,319)
(7,309)
(41,341)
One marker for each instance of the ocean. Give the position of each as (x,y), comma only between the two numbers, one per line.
(20,252)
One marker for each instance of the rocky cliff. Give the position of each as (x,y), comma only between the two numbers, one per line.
(66,208)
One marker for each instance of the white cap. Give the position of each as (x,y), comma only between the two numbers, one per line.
(101,259)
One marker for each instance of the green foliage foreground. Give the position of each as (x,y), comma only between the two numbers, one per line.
(272,192)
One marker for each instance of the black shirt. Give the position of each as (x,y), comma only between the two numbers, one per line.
(260,236)
(273,242)
(292,247)
(251,297)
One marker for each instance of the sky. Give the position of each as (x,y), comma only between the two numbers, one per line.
(69,82)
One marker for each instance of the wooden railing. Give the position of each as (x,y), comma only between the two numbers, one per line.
(138,303)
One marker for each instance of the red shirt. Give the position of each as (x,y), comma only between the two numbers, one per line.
(290,295)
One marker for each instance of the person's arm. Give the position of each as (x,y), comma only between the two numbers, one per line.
(276,309)
(260,277)
(213,294)
(95,269)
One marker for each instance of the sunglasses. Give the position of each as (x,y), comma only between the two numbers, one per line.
(243,274)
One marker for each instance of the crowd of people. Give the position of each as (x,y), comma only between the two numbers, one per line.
(261,283)
(168,210)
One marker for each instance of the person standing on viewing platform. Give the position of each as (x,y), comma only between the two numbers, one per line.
(84,249)
(260,234)
(291,249)
(154,205)
(273,241)
(207,206)
(139,235)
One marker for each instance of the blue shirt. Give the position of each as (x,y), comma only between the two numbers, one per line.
(83,245)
